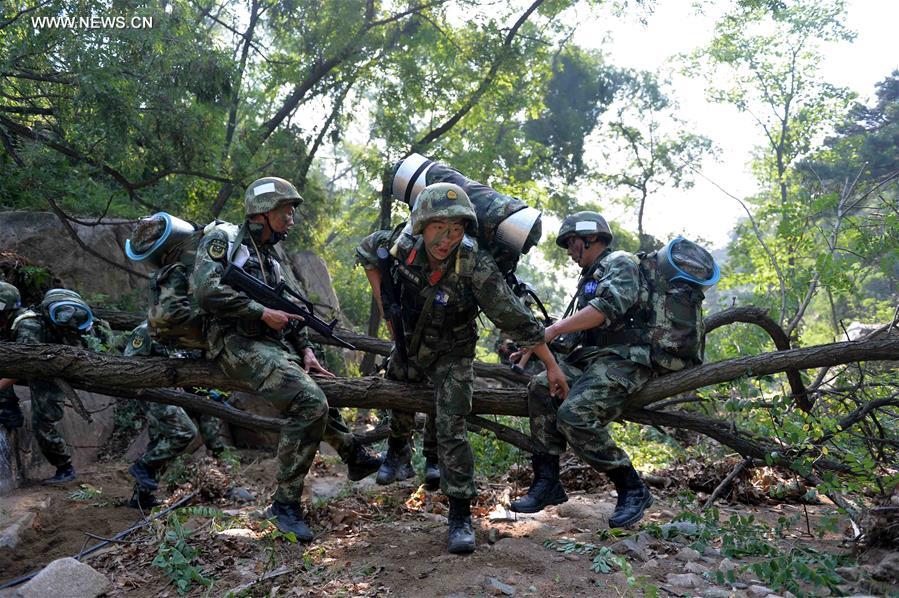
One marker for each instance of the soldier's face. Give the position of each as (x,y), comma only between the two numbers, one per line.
(442,236)
(281,218)
(575,249)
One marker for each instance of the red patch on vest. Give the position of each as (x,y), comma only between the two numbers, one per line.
(411,257)
(435,277)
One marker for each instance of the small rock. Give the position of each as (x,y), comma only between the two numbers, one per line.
(651,563)
(888,568)
(685,580)
(66,577)
(630,547)
(760,591)
(667,514)
(687,555)
(532,589)
(727,565)
(680,528)
(498,588)
(739,585)
(717,593)
(645,540)
(695,568)
(443,557)
(237,533)
(492,535)
(850,573)
(711,551)
(241,494)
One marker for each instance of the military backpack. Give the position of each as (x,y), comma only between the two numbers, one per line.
(673,281)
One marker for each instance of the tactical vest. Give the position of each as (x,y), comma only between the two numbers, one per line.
(439,314)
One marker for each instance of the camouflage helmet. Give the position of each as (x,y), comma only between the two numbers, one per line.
(268,193)
(442,200)
(9,297)
(584,224)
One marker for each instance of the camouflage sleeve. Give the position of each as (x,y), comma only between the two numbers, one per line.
(30,331)
(500,304)
(618,288)
(367,251)
(211,294)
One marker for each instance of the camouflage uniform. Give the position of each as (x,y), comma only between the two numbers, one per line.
(170,428)
(47,398)
(439,312)
(602,371)
(10,304)
(270,362)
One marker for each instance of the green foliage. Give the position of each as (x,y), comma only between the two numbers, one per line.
(176,557)
(604,561)
(794,568)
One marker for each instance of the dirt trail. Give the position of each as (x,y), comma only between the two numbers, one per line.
(378,541)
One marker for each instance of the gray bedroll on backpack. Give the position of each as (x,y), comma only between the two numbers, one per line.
(507,226)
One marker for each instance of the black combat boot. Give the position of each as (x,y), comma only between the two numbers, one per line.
(64,473)
(397,465)
(144,474)
(460,539)
(289,518)
(142,499)
(546,489)
(633,497)
(11,414)
(361,462)
(432,474)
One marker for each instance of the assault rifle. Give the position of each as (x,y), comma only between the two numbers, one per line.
(390,301)
(276,297)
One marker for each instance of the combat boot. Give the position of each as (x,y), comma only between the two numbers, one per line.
(460,539)
(142,499)
(546,489)
(397,465)
(362,462)
(11,414)
(289,518)
(145,476)
(64,473)
(432,474)
(633,497)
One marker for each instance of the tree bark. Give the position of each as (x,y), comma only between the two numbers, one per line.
(80,366)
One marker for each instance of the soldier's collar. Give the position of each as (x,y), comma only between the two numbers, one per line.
(592,267)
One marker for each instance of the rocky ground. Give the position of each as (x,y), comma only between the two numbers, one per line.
(391,541)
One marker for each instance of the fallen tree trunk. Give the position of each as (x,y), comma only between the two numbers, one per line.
(760,318)
(94,371)
(80,366)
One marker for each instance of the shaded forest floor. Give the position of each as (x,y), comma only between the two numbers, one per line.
(375,541)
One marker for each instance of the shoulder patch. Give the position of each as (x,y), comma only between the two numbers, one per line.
(137,342)
(217,249)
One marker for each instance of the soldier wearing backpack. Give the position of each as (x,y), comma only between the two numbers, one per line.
(632,317)
(444,281)
(62,317)
(254,343)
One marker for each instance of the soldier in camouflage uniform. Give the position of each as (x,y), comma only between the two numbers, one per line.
(444,281)
(170,428)
(63,317)
(10,303)
(604,368)
(254,344)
